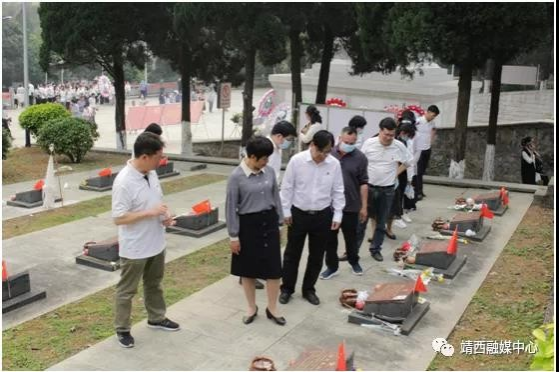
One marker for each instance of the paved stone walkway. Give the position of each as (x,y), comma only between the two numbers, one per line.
(213,337)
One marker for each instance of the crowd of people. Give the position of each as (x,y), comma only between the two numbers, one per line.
(341,183)
(335,184)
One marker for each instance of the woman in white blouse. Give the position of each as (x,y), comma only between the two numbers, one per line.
(314,125)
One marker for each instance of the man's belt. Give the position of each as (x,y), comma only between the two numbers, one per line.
(313,212)
(381,187)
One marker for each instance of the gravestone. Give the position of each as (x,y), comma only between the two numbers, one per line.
(16,292)
(100,183)
(393,305)
(433,253)
(29,199)
(464,221)
(100,255)
(167,170)
(197,225)
(493,201)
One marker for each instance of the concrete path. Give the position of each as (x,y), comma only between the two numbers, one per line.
(49,254)
(213,337)
(73,194)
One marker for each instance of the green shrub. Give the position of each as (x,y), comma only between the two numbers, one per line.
(545,356)
(72,137)
(6,143)
(34,117)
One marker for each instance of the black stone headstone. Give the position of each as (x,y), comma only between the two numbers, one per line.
(198,222)
(392,301)
(467,221)
(433,254)
(16,285)
(104,250)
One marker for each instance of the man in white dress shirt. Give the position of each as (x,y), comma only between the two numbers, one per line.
(313,200)
(387,159)
(423,137)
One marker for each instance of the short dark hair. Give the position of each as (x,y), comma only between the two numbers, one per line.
(154,128)
(407,115)
(434,109)
(323,138)
(314,114)
(148,144)
(259,147)
(357,121)
(387,123)
(349,130)
(408,128)
(526,140)
(284,128)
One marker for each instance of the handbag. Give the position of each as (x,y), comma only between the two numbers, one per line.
(539,166)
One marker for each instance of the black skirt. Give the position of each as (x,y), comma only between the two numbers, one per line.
(260,255)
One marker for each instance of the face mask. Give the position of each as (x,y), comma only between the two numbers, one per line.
(359,130)
(285,145)
(346,148)
(405,138)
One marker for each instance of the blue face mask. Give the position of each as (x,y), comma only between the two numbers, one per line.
(405,138)
(346,148)
(285,145)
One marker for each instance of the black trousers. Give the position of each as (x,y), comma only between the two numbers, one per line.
(317,227)
(350,221)
(422,165)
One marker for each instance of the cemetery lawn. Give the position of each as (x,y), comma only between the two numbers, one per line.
(49,218)
(49,339)
(511,301)
(30,163)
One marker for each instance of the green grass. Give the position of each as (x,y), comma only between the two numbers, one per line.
(93,207)
(30,164)
(55,336)
(511,302)
(50,338)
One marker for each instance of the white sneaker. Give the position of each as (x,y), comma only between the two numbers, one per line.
(401,224)
(406,218)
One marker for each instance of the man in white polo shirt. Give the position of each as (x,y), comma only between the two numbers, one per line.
(387,159)
(423,137)
(141,217)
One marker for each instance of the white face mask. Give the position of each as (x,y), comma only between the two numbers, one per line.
(285,145)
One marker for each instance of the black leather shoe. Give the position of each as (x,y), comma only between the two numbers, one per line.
(377,256)
(250,319)
(390,236)
(312,298)
(258,284)
(284,298)
(280,320)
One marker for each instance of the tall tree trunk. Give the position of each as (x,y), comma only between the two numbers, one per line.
(296,86)
(327,55)
(489,163)
(247,96)
(458,164)
(118,75)
(186,128)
